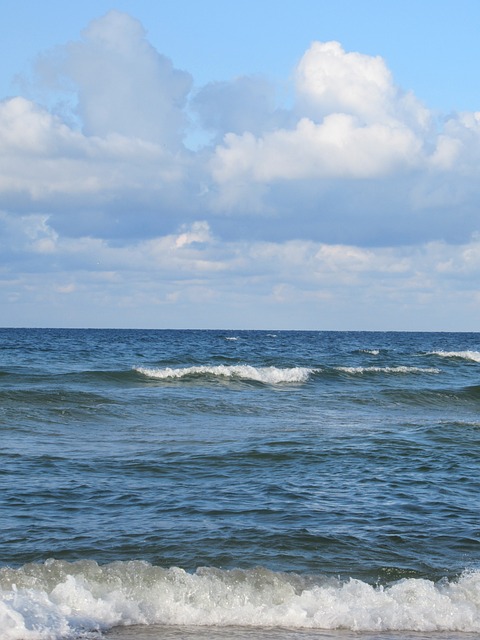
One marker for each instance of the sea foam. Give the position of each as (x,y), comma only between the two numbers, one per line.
(59,599)
(266,375)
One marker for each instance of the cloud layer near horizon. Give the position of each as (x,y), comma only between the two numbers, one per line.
(354,194)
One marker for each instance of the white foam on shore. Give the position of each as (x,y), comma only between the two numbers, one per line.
(58,600)
(267,375)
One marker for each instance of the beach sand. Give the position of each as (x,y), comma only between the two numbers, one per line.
(162,632)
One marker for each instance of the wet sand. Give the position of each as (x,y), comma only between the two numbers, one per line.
(162,632)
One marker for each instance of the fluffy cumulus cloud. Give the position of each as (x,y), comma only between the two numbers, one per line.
(123,85)
(365,160)
(351,199)
(352,124)
(330,80)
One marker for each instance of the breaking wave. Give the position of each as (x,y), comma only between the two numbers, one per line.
(60,599)
(474,356)
(266,375)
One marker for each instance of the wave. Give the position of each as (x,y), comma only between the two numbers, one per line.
(271,375)
(370,352)
(397,369)
(266,375)
(473,356)
(436,397)
(58,599)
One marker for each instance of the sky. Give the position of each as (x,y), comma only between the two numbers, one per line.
(287,164)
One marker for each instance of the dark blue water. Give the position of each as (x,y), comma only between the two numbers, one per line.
(290,466)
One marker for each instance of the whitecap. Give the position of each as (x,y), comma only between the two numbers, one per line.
(398,369)
(474,356)
(267,375)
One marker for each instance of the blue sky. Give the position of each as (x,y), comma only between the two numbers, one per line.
(304,164)
(431,46)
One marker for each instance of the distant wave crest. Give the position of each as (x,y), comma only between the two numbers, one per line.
(59,599)
(398,369)
(474,356)
(266,375)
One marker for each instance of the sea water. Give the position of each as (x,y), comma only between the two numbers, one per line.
(265,485)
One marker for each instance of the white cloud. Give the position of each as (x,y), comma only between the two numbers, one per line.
(123,84)
(194,267)
(337,148)
(352,123)
(41,156)
(364,162)
(355,160)
(199,232)
(330,80)
(356,197)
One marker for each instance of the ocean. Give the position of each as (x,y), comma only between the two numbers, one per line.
(252,485)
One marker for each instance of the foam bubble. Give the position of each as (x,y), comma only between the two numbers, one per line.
(267,375)
(62,600)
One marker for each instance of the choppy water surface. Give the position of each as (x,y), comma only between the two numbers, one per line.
(239,484)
